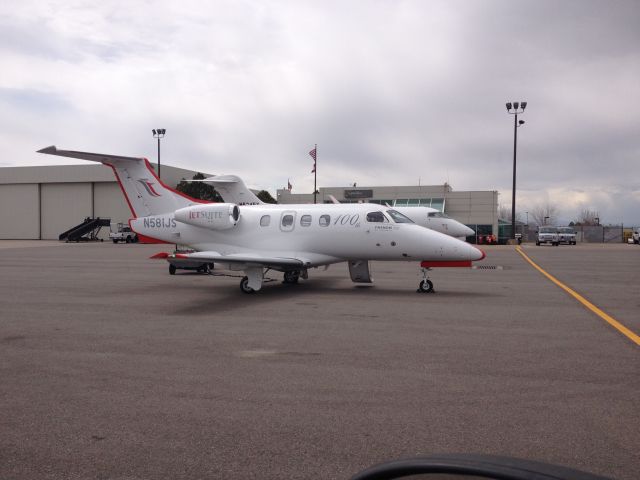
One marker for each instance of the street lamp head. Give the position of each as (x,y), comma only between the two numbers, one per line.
(516,105)
(523,105)
(508,106)
(520,122)
(154,131)
(164,131)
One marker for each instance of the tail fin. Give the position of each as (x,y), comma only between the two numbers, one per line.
(233,190)
(144,191)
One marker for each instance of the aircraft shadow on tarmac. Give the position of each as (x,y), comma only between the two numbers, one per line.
(226,297)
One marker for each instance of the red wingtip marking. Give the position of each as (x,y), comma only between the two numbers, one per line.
(483,255)
(181,255)
(160,255)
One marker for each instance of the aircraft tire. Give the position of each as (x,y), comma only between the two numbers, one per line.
(244,285)
(426,286)
(291,276)
(172,269)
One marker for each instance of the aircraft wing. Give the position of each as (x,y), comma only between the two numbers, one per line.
(244,259)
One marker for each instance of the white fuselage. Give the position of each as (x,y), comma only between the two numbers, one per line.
(233,189)
(317,234)
(435,220)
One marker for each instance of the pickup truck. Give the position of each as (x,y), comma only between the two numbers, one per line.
(123,233)
(566,235)
(547,235)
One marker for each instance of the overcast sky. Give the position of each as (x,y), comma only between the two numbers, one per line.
(393,92)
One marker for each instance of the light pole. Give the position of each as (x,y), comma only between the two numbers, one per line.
(159,133)
(527,218)
(545,220)
(515,109)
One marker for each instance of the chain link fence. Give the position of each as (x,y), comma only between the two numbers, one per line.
(588,234)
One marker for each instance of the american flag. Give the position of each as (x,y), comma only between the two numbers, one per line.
(313,155)
(289,186)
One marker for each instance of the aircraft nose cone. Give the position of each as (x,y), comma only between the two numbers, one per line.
(476,254)
(467,231)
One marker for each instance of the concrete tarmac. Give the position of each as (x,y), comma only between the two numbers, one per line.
(113,369)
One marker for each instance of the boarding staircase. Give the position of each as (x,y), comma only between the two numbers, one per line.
(87,231)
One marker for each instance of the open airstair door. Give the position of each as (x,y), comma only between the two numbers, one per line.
(359,271)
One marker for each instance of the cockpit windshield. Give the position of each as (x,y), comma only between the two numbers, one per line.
(377,217)
(438,215)
(398,217)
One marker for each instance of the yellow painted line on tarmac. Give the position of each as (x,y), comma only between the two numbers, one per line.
(606,317)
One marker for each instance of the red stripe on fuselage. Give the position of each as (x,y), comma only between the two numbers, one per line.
(451,263)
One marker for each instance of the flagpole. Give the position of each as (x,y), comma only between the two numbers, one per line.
(315,173)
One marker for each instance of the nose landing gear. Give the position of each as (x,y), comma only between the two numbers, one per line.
(426,285)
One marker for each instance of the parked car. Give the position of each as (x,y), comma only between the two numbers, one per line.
(636,235)
(547,235)
(566,235)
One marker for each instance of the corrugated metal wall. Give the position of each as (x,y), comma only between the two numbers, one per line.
(64,205)
(19,212)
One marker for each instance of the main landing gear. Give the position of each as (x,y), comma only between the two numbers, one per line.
(426,285)
(291,276)
(244,285)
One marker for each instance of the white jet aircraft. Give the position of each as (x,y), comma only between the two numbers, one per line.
(279,237)
(232,189)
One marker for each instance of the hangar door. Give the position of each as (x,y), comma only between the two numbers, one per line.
(109,202)
(63,206)
(19,212)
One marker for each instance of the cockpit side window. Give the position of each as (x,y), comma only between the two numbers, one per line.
(437,215)
(377,217)
(398,217)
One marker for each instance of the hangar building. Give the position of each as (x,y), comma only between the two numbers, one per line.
(39,203)
(476,209)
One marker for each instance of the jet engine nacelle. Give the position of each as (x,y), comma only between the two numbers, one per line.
(214,216)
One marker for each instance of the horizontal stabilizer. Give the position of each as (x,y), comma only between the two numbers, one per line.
(145,193)
(93,157)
